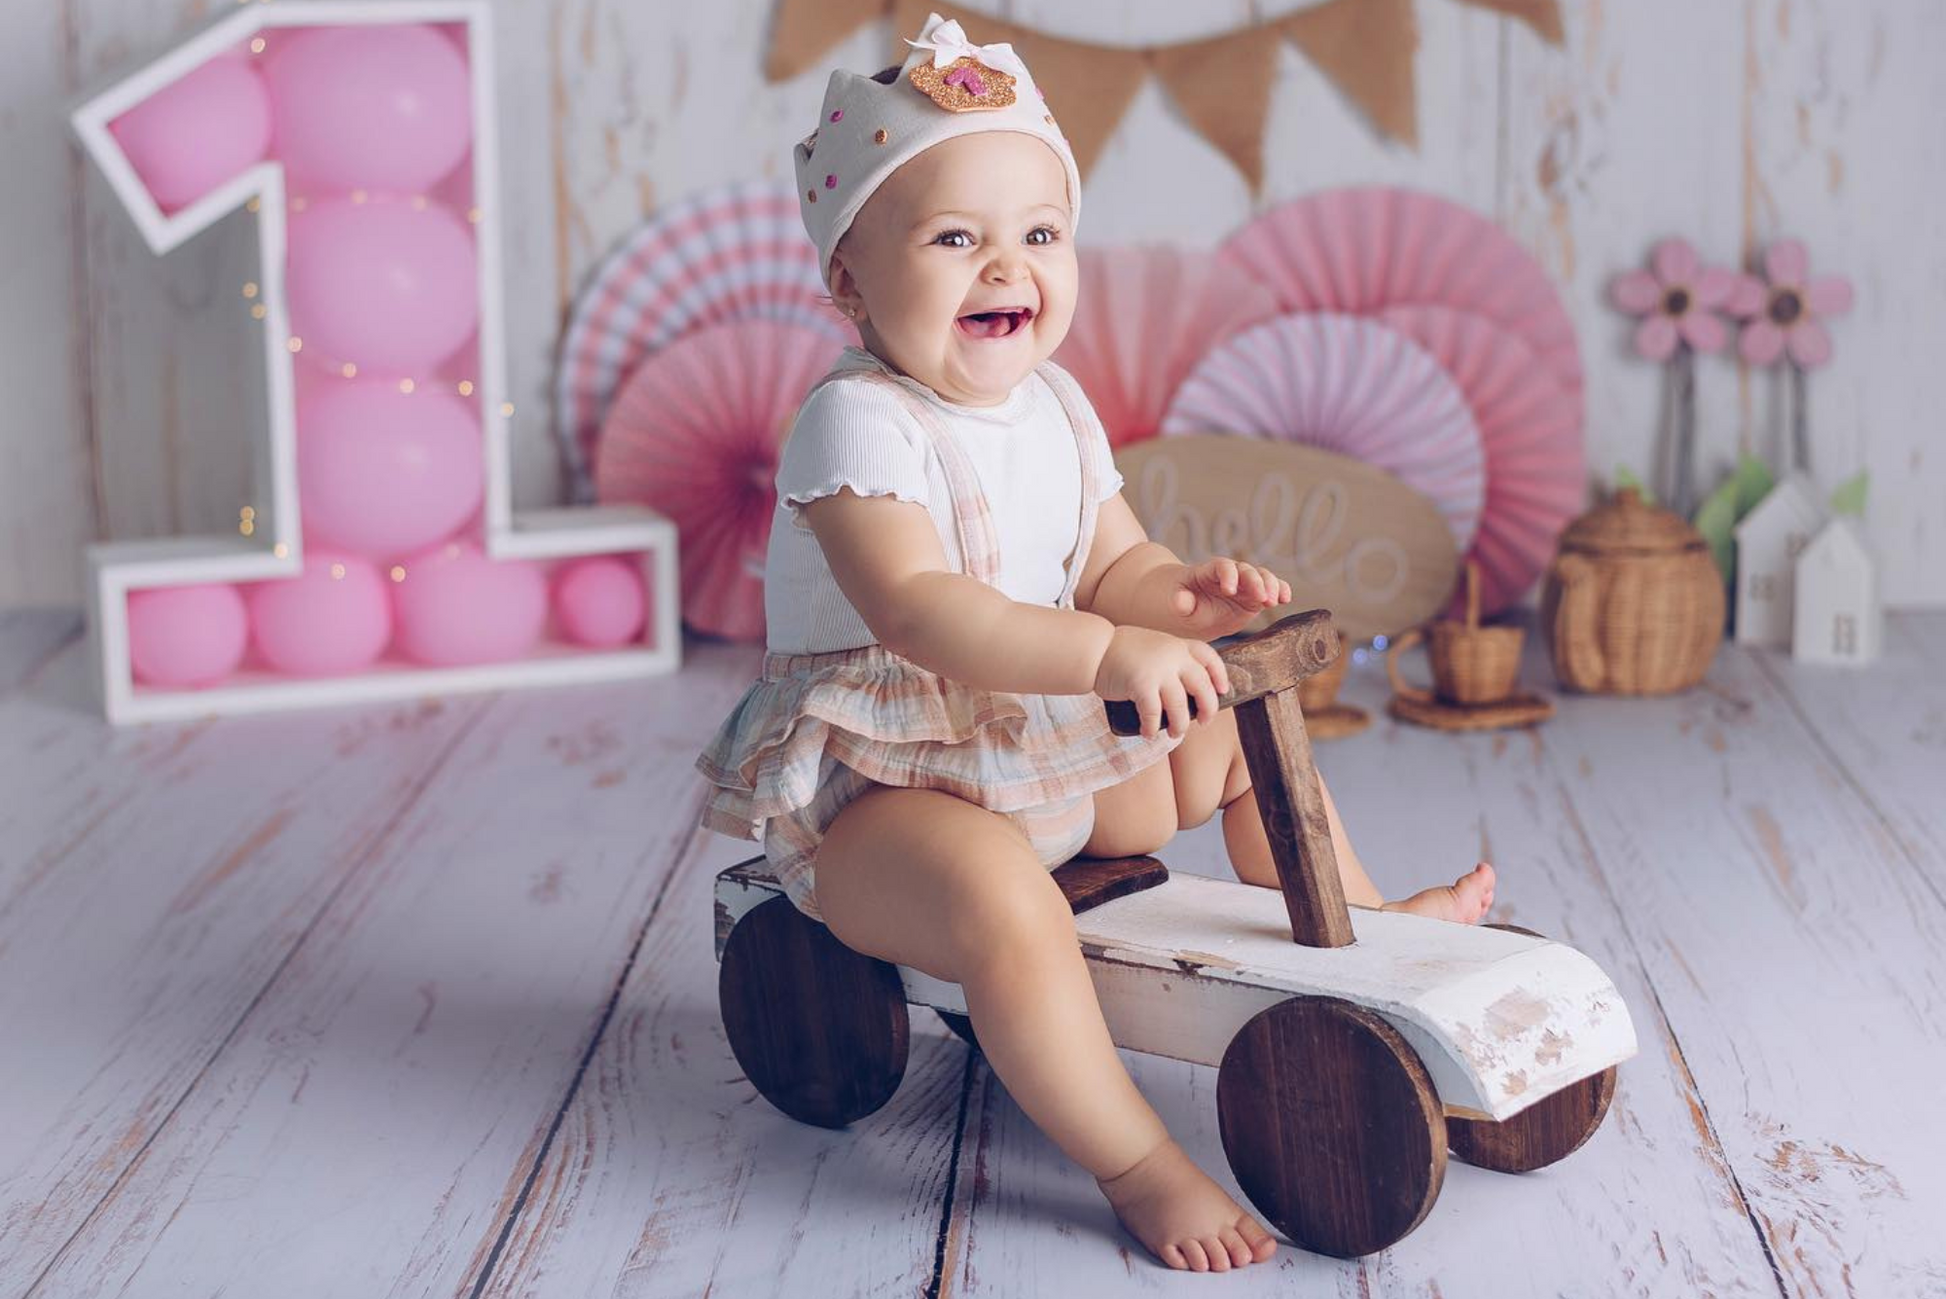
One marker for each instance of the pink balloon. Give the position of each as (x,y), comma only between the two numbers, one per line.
(378,106)
(334,618)
(186,635)
(197,131)
(381,472)
(388,287)
(599,601)
(456,606)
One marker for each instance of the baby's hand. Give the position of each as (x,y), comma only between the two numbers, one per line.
(1160,674)
(1221,596)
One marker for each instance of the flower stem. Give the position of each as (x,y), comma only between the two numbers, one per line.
(1684,365)
(1800,434)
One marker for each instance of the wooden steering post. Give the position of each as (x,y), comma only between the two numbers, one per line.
(1264,672)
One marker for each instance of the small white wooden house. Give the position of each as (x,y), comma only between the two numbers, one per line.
(1769,540)
(1836,617)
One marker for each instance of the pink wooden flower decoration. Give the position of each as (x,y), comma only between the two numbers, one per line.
(1784,313)
(1679,299)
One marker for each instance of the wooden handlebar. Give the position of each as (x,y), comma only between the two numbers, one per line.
(1276,658)
(1264,672)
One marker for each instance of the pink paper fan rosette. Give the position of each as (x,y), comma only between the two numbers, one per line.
(694,434)
(1144,316)
(1360,250)
(737,252)
(1349,385)
(1530,431)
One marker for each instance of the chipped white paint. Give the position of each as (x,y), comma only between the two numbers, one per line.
(1501,1020)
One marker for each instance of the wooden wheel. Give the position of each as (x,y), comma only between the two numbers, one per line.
(1331,1125)
(1542,1133)
(820,1030)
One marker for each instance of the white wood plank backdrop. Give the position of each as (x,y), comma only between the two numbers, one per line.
(128,383)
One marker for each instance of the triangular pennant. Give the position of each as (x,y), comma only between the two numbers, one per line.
(1544,16)
(1088,87)
(803,31)
(1223,88)
(1365,47)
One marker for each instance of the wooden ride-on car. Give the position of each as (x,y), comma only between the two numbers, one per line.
(1354,1048)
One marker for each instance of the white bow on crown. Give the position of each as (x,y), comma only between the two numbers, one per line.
(948,42)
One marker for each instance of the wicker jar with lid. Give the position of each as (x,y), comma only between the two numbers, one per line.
(1633,603)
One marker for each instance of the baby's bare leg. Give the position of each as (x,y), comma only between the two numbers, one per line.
(925,879)
(1210,773)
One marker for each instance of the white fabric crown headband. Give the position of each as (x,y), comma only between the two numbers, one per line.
(947,87)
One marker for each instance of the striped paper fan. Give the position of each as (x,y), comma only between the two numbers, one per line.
(737,252)
(694,433)
(1350,385)
(1531,432)
(1366,248)
(1143,317)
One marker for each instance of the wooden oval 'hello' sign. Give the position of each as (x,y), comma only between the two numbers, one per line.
(1347,536)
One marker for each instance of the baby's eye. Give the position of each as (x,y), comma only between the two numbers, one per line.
(1052,235)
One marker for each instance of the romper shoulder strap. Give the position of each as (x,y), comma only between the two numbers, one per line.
(972,519)
(1075,403)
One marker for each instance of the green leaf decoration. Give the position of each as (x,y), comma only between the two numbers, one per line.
(1625,477)
(1716,519)
(1753,481)
(1849,498)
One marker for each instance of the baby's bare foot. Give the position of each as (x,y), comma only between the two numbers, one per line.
(1465,900)
(1185,1219)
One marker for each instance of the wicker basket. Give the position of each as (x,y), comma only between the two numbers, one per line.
(1633,603)
(1471,664)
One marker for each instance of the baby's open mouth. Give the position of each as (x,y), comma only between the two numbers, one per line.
(996,324)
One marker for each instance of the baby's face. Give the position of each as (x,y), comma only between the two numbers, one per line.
(972,225)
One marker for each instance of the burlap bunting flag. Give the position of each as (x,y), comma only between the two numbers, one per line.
(1221,84)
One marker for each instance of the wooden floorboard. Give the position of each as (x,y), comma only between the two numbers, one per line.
(420,999)
(153,882)
(364,1124)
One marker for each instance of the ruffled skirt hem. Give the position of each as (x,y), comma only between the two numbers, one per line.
(897,723)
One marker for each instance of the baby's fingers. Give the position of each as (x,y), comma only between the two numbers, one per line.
(1203,691)
(1219,673)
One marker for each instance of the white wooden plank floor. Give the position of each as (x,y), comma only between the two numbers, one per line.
(419,1000)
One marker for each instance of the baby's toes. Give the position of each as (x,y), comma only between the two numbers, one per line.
(1193,1251)
(1262,1244)
(1219,1257)
(1232,1241)
(1174,1258)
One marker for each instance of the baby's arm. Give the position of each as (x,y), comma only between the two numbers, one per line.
(1132,581)
(886,558)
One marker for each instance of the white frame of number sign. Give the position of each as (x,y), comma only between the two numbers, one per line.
(116,568)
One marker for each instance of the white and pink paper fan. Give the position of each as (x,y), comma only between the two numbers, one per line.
(694,433)
(1145,315)
(1350,385)
(1531,431)
(1363,249)
(737,252)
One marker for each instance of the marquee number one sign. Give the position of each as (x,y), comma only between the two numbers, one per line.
(271,541)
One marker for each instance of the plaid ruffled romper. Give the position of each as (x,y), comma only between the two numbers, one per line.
(817,730)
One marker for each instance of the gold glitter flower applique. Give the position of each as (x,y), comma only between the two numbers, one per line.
(966,85)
